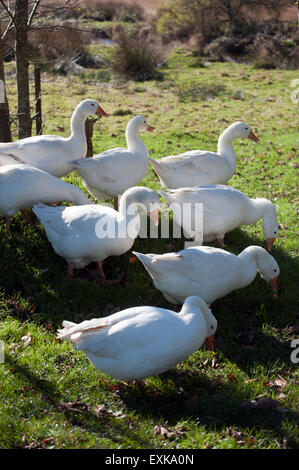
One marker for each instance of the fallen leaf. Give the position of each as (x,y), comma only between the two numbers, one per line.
(231,378)
(117,414)
(239,436)
(76,406)
(100,410)
(167,433)
(46,441)
(281,396)
(214,364)
(26,340)
(280,383)
(129,424)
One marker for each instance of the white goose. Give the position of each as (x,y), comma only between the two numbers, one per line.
(208,272)
(224,209)
(85,234)
(112,172)
(53,153)
(22,186)
(142,341)
(201,167)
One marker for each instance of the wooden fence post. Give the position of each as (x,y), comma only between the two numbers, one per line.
(89,123)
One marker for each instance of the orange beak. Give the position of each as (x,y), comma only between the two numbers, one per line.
(101,112)
(253,137)
(274,285)
(209,342)
(149,129)
(154,215)
(270,242)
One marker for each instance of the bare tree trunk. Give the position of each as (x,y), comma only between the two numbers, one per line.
(38,100)
(22,66)
(5,133)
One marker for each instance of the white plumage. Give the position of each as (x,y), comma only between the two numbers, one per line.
(200,167)
(142,341)
(22,186)
(92,233)
(53,153)
(112,172)
(208,272)
(224,209)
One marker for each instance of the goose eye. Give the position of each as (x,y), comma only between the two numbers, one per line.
(275,270)
(212,328)
(246,128)
(275,232)
(92,104)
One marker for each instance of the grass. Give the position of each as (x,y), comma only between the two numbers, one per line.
(206,401)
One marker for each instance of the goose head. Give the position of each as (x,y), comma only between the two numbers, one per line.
(241,130)
(268,268)
(145,198)
(195,303)
(139,124)
(90,108)
(270,225)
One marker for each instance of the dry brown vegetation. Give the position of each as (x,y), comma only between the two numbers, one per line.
(138,56)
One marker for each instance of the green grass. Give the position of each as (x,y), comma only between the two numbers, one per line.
(204,400)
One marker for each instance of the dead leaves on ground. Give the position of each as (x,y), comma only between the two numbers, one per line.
(46,443)
(75,407)
(26,339)
(170,434)
(278,383)
(242,438)
(100,411)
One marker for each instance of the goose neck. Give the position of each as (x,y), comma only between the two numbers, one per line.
(77,125)
(258,208)
(249,259)
(134,143)
(225,147)
(129,216)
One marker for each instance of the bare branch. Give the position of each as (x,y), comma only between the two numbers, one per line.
(9,26)
(8,11)
(33,11)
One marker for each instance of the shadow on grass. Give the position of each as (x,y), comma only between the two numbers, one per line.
(191,396)
(80,415)
(194,395)
(252,327)
(30,269)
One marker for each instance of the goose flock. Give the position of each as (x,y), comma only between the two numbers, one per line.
(142,340)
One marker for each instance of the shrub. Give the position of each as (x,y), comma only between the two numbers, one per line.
(275,51)
(243,30)
(182,18)
(211,18)
(60,48)
(137,57)
(107,10)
